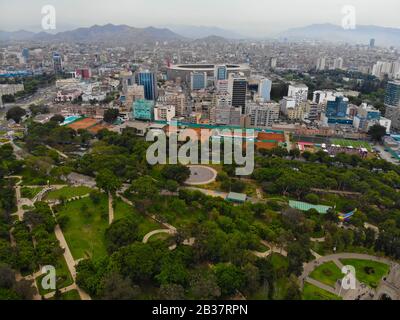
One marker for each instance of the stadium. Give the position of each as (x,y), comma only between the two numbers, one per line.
(183,71)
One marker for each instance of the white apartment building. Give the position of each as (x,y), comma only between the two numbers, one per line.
(262,115)
(299,92)
(163,112)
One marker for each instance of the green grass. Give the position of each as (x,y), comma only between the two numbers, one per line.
(85,228)
(68,192)
(311,292)
(327,273)
(63,276)
(352,143)
(30,193)
(146,224)
(370,277)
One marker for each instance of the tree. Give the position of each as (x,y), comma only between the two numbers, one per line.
(177,172)
(115,287)
(229,278)
(121,233)
(57,118)
(293,290)
(108,181)
(111,115)
(38,109)
(15,113)
(204,286)
(171,292)
(377,132)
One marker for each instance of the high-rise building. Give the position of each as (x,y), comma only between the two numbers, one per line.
(148,80)
(338,63)
(143,110)
(57,63)
(264,89)
(25,54)
(198,80)
(262,115)
(273,63)
(372,43)
(237,87)
(321,63)
(220,72)
(299,92)
(392,96)
(392,103)
(337,108)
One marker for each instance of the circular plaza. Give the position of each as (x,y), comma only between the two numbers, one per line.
(201,175)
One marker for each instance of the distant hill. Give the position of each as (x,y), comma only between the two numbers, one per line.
(198,32)
(108,33)
(333,33)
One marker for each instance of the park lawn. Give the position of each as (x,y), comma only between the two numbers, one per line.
(311,292)
(63,276)
(327,273)
(30,193)
(68,192)
(372,277)
(145,224)
(84,230)
(352,143)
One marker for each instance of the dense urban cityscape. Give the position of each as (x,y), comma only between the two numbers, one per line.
(85,215)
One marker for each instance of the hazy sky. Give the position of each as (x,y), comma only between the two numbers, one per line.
(255,17)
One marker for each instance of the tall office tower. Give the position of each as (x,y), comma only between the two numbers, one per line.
(338,63)
(392,96)
(273,62)
(299,92)
(198,80)
(321,62)
(25,54)
(57,63)
(392,103)
(220,72)
(148,80)
(264,89)
(337,108)
(372,43)
(237,87)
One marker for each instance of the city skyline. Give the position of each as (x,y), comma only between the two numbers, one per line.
(252,18)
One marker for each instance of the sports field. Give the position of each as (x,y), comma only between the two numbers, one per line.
(352,143)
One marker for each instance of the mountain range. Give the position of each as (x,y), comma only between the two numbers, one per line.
(123,34)
(107,33)
(333,33)
(198,32)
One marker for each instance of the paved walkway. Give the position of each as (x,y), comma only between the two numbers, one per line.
(110,209)
(272,249)
(154,232)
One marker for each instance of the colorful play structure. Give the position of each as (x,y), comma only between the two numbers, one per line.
(346,216)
